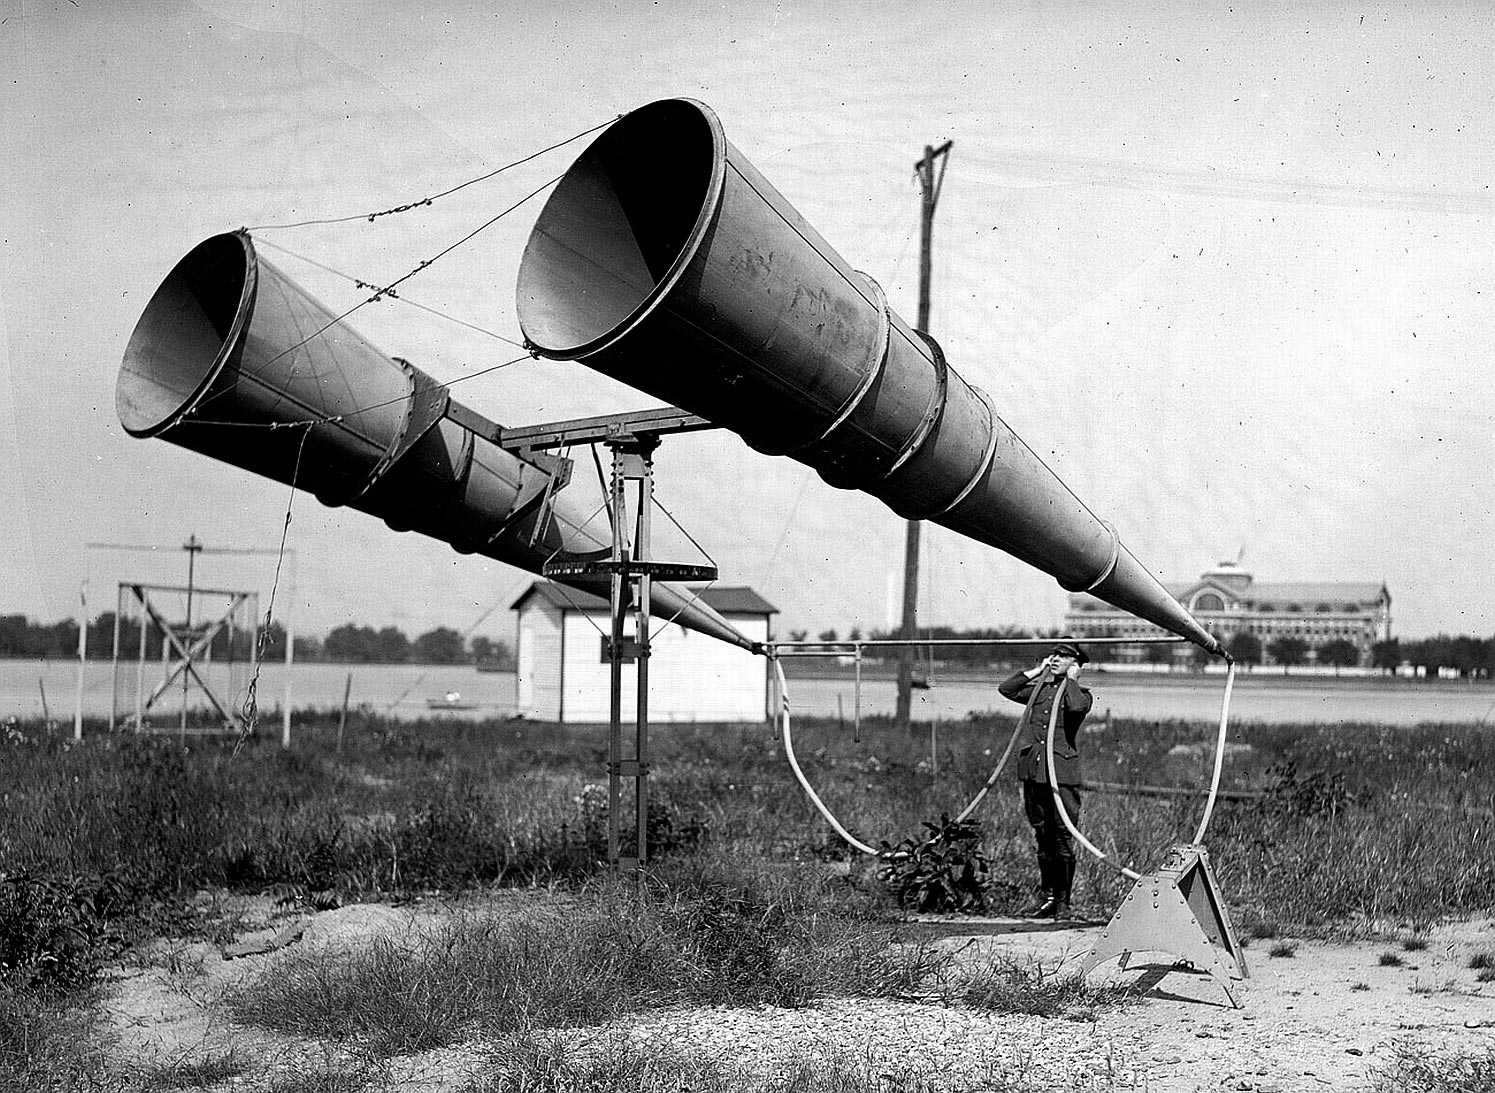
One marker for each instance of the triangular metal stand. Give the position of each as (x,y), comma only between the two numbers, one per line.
(1177,910)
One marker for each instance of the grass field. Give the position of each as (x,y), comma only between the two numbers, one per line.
(106,843)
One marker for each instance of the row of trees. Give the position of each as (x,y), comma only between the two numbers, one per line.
(1466,654)
(350,643)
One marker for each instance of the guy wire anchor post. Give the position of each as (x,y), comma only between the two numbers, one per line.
(1177,910)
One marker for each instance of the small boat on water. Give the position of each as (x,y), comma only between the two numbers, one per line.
(452,700)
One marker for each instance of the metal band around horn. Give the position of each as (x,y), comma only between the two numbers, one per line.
(1110,566)
(932,414)
(426,407)
(987,458)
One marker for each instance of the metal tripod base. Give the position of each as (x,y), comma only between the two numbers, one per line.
(1177,910)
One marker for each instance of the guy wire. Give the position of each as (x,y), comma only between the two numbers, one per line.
(250,709)
(387,290)
(361,283)
(424,201)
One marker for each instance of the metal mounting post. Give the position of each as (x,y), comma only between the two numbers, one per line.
(632,438)
(633,460)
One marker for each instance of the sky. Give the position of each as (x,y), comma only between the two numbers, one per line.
(1228,268)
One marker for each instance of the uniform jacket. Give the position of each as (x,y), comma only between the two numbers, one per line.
(1034,727)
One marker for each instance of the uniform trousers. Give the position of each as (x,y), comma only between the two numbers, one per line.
(1055,845)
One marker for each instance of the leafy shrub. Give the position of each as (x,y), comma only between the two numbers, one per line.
(55,932)
(944,871)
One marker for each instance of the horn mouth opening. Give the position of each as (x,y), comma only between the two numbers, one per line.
(621,227)
(185,334)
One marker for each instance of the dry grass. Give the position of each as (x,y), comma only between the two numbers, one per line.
(684,938)
(1004,985)
(615,1064)
(1415,1070)
(107,842)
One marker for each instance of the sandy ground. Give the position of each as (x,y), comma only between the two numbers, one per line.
(1323,1018)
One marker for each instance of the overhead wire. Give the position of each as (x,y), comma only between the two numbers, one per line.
(361,283)
(380,293)
(428,200)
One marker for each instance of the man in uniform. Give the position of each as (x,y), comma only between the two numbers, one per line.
(1056,680)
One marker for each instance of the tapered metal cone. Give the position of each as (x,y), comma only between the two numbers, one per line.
(665,260)
(233,359)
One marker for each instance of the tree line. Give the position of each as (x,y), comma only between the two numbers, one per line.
(1464,653)
(348,644)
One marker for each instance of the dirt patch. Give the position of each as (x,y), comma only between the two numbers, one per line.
(1321,1018)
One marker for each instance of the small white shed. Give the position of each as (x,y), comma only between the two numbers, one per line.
(562,674)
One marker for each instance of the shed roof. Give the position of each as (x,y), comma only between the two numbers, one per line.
(725,599)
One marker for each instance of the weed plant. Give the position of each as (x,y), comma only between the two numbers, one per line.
(1004,985)
(107,840)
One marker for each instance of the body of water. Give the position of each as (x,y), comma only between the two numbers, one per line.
(402,690)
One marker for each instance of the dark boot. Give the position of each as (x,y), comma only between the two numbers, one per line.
(1051,907)
(1062,890)
(1042,897)
(1048,877)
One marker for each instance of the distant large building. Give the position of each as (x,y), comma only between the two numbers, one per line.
(1228,600)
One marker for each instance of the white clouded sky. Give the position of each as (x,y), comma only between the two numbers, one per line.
(1230,270)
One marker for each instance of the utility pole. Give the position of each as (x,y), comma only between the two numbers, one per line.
(929,195)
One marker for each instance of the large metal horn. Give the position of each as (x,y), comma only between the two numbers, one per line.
(665,260)
(229,341)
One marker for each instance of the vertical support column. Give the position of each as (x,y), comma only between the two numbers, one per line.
(285,702)
(119,610)
(192,547)
(615,665)
(645,468)
(140,663)
(82,659)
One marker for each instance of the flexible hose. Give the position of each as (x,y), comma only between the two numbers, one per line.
(799,775)
(996,771)
(851,840)
(1130,874)
(1214,785)
(1209,803)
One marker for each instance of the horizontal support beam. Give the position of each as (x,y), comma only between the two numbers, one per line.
(837,648)
(597,430)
